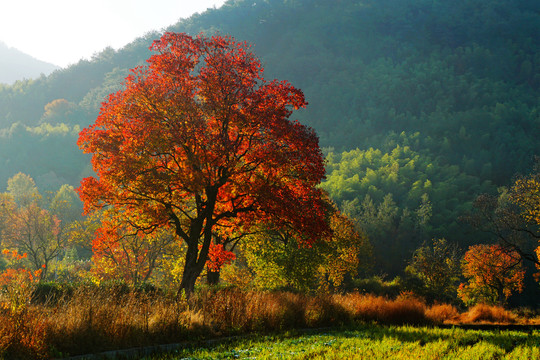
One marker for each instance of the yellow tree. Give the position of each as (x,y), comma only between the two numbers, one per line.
(346,252)
(526,194)
(513,217)
(437,266)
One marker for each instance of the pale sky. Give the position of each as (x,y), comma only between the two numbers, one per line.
(64,31)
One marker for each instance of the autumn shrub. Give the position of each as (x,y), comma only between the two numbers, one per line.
(23,335)
(440,313)
(17,283)
(402,310)
(482,313)
(323,310)
(50,292)
(406,309)
(22,332)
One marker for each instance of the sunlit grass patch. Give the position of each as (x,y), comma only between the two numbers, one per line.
(374,342)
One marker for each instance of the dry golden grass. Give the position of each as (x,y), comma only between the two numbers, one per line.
(441,313)
(404,310)
(482,313)
(91,319)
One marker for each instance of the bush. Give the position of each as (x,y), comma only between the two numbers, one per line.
(440,313)
(489,314)
(50,292)
(377,286)
(384,310)
(23,335)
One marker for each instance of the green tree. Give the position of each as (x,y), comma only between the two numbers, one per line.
(22,189)
(438,267)
(279,259)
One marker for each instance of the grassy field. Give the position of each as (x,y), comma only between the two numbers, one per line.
(93,320)
(374,342)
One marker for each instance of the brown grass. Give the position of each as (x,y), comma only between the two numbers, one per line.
(384,310)
(442,313)
(482,313)
(91,319)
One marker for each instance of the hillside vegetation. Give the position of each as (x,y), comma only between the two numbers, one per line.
(420,105)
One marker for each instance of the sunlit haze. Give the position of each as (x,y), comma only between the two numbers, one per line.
(64,31)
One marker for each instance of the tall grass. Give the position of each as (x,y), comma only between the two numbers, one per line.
(482,313)
(90,319)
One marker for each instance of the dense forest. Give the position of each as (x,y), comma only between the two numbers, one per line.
(420,105)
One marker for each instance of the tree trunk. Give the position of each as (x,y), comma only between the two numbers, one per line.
(187,286)
(195,257)
(195,262)
(212,277)
(501,299)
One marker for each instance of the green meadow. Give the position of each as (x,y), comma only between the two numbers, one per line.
(374,342)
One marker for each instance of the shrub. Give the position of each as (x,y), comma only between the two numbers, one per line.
(50,292)
(325,311)
(23,335)
(488,313)
(377,286)
(440,313)
(377,308)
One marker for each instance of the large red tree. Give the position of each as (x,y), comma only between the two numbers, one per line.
(198,141)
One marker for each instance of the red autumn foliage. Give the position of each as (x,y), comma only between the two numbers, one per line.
(218,256)
(199,141)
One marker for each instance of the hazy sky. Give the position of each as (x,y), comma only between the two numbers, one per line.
(63,31)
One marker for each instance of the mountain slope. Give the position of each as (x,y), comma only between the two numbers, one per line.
(446,93)
(465,75)
(16,65)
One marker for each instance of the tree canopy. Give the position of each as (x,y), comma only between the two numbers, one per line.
(197,140)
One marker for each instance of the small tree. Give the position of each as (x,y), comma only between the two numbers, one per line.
(123,252)
(35,231)
(493,274)
(437,266)
(280,259)
(17,283)
(22,189)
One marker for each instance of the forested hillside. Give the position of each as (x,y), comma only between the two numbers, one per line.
(420,105)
